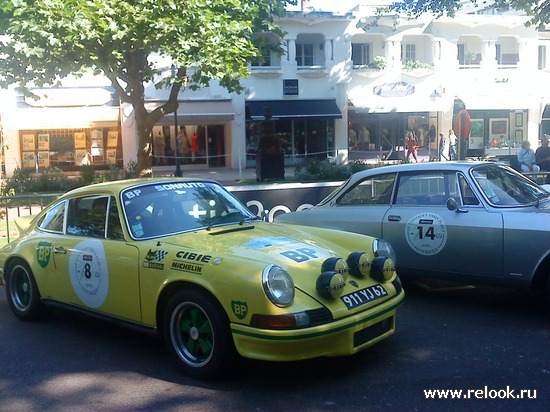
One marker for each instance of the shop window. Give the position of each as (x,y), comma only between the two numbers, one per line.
(68,149)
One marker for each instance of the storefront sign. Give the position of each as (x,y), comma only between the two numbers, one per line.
(290,87)
(397,89)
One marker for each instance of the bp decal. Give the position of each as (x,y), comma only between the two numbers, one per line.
(43,253)
(240,309)
(426,233)
(89,273)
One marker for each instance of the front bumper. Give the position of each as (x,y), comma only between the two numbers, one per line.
(341,337)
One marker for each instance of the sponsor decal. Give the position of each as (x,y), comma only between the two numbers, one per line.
(178,186)
(43,253)
(304,254)
(240,309)
(267,242)
(153,257)
(89,273)
(193,256)
(186,267)
(426,233)
(190,262)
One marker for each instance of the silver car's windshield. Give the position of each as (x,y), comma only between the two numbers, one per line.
(503,186)
(162,209)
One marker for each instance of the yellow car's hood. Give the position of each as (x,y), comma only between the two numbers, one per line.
(299,250)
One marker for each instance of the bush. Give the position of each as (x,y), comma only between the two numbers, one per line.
(55,181)
(314,170)
(51,180)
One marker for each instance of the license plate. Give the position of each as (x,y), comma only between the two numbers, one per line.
(363,296)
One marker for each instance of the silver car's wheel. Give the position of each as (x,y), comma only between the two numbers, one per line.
(22,292)
(197,334)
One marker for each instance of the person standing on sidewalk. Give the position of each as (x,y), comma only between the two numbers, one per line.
(453,154)
(443,147)
(411,145)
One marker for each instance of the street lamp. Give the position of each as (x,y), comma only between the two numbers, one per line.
(178,172)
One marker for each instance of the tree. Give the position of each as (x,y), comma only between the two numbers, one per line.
(539,10)
(44,41)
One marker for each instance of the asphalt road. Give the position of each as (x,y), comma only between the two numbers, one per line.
(492,341)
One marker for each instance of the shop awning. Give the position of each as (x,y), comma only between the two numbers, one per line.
(546,112)
(292,109)
(406,104)
(499,102)
(194,112)
(67,117)
(402,94)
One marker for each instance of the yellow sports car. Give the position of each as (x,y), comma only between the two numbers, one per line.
(185,259)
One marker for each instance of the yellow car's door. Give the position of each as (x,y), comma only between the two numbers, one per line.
(95,268)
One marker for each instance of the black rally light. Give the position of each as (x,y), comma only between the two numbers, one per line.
(330,284)
(359,264)
(382,269)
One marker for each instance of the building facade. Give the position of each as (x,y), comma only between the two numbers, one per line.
(347,85)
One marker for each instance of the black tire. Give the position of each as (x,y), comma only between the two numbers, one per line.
(196,331)
(22,292)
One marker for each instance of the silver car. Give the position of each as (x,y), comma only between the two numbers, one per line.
(479,222)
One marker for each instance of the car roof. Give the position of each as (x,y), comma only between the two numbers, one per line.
(425,166)
(117,186)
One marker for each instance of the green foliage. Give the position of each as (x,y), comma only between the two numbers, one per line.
(87,174)
(539,10)
(416,64)
(314,170)
(43,41)
(379,62)
(131,171)
(49,181)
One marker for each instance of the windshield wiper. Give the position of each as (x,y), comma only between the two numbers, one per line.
(219,219)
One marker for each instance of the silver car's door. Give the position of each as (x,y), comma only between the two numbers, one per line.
(430,238)
(360,208)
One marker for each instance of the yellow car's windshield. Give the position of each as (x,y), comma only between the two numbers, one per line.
(162,209)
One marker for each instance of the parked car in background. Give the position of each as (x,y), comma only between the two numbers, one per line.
(478,222)
(183,258)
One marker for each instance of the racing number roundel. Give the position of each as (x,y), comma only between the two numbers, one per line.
(89,274)
(426,233)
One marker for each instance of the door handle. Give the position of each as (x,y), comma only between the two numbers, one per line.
(60,250)
(394,218)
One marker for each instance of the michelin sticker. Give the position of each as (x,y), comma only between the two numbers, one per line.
(426,233)
(89,273)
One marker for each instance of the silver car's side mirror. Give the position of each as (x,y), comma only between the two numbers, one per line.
(452,205)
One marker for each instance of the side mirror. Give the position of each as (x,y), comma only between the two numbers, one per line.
(452,205)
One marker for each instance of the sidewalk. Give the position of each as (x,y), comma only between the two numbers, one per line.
(227,176)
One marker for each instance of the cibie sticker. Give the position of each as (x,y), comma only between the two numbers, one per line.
(426,233)
(89,273)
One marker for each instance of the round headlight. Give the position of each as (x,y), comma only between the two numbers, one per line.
(278,285)
(382,248)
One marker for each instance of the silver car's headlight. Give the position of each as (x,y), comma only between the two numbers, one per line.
(278,285)
(382,248)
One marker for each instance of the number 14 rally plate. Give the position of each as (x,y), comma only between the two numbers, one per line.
(363,296)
